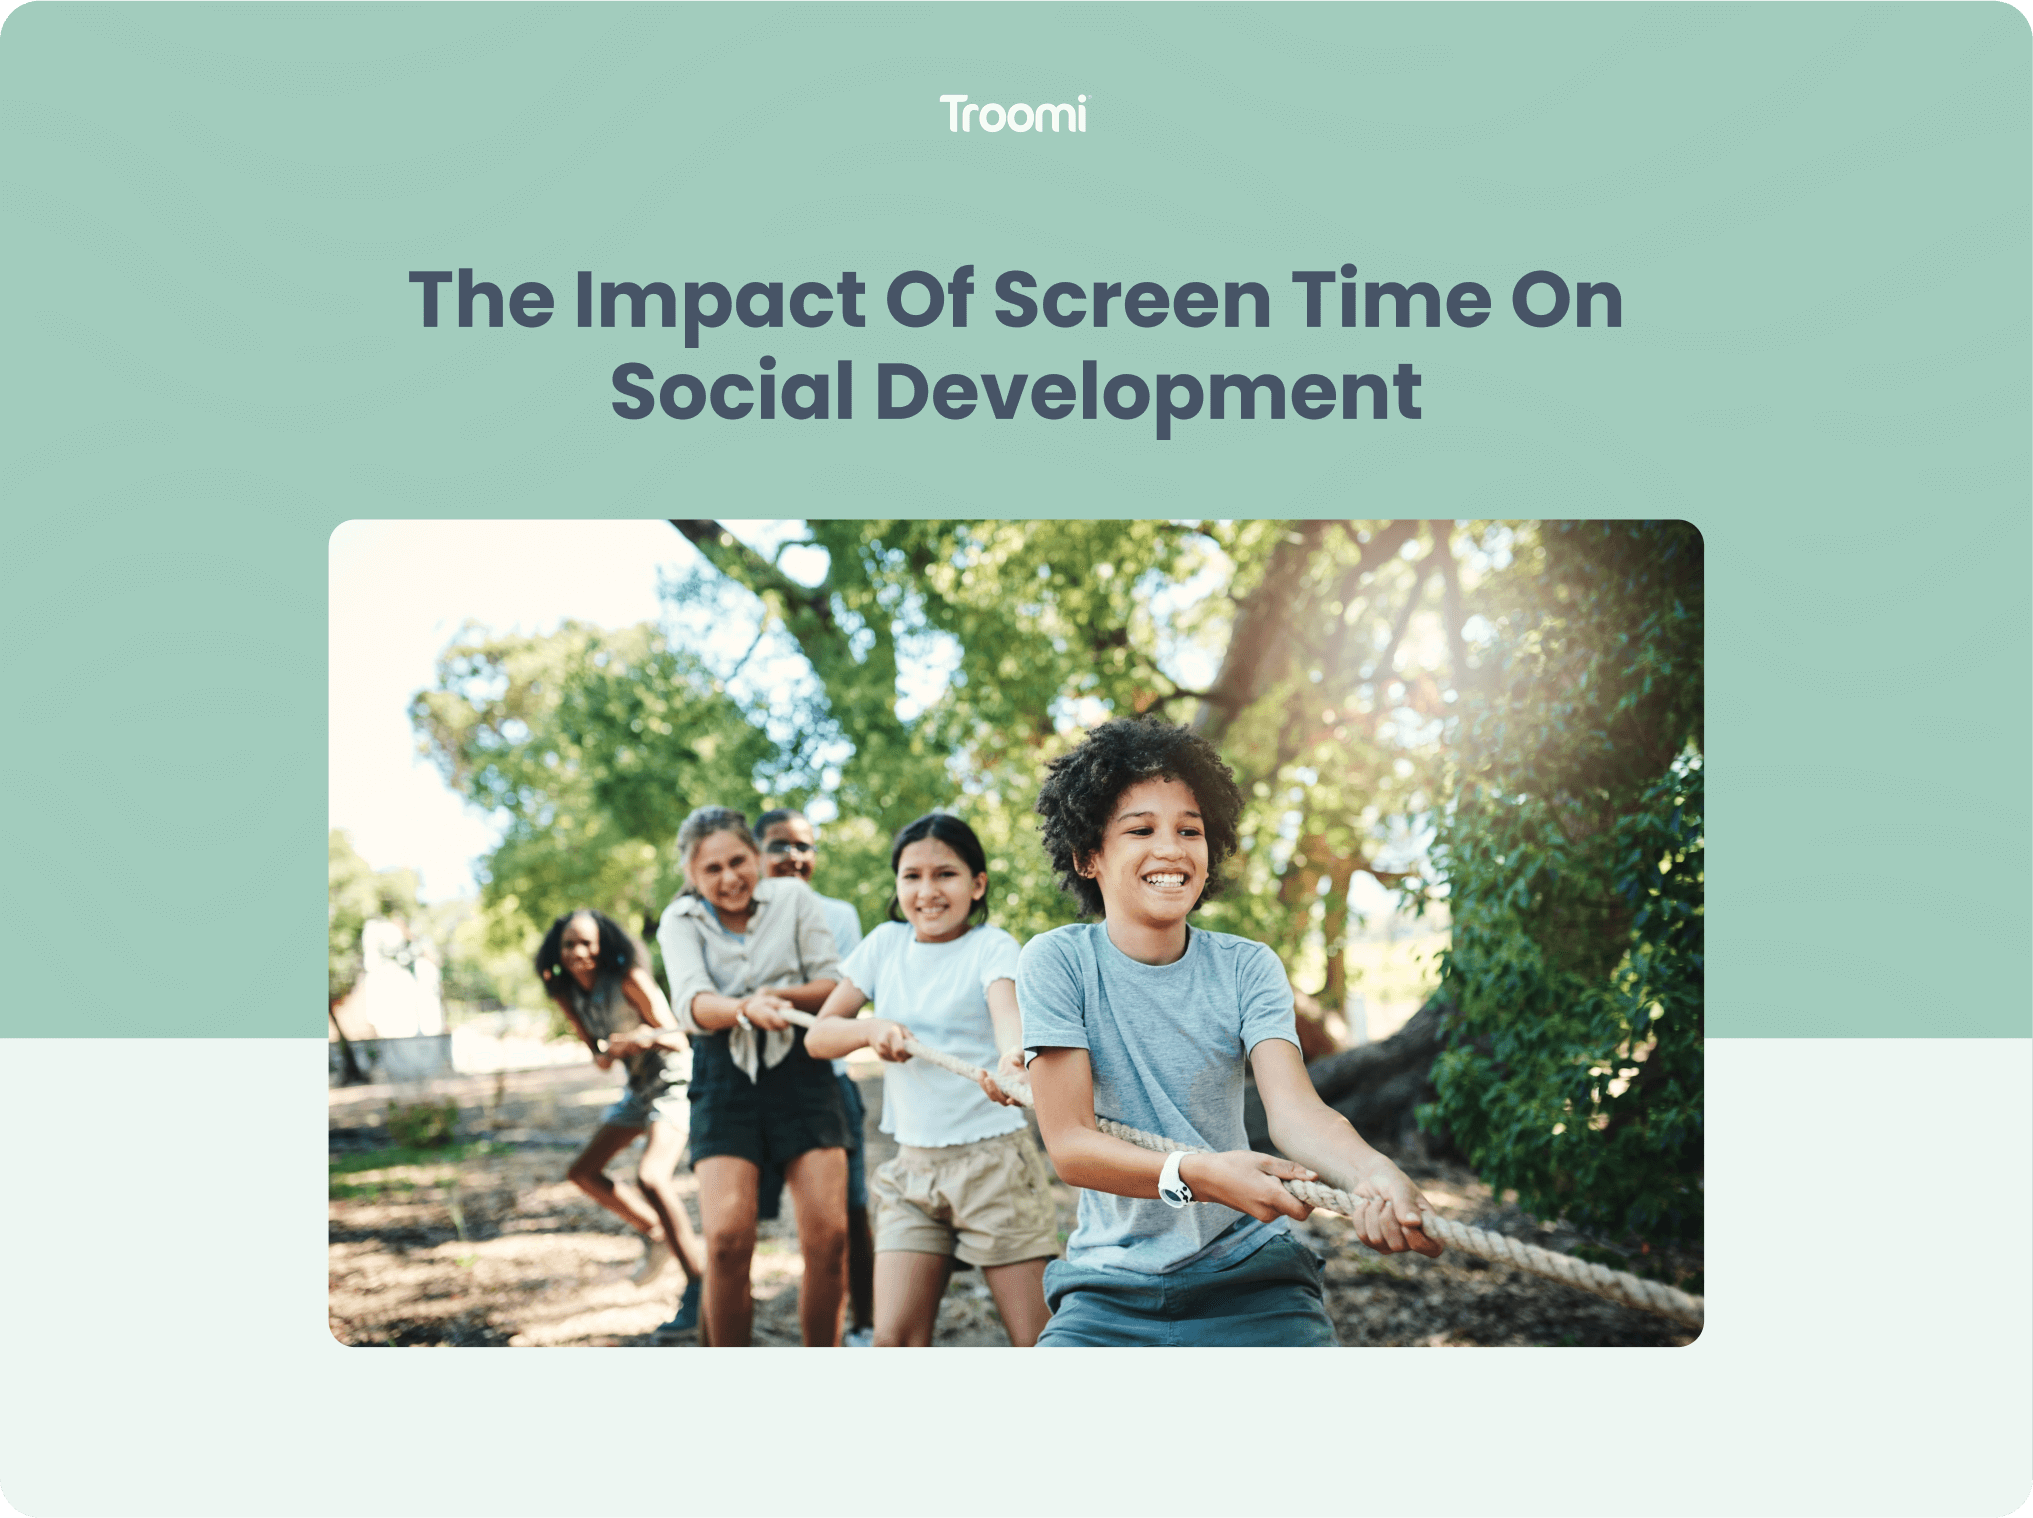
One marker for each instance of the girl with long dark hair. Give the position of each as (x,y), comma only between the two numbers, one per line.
(598,978)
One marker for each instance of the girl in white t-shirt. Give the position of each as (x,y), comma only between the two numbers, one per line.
(968,1180)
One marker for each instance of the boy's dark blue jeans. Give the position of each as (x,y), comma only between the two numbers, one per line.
(1270,1297)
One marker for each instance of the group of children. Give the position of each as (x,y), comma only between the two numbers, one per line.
(1139,1016)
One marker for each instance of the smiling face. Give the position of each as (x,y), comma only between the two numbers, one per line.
(935,891)
(790,848)
(579,950)
(1152,863)
(722,870)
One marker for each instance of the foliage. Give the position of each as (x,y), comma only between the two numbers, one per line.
(590,747)
(355,891)
(422,1125)
(1308,650)
(1573,861)
(485,966)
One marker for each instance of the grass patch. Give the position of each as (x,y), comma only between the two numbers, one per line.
(339,1166)
(356,1160)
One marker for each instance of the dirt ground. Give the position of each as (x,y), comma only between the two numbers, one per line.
(487,1243)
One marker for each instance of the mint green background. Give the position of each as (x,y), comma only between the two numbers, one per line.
(1818,217)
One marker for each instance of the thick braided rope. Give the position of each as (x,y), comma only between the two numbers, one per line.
(1616,1285)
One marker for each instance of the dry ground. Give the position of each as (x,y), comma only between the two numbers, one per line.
(487,1243)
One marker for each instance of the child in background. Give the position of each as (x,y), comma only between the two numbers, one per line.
(601,982)
(791,849)
(1148,1021)
(967,1181)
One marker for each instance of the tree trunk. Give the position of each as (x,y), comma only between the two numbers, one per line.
(351,1074)
(1376,1087)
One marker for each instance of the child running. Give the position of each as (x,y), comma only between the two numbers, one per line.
(598,978)
(1147,1020)
(967,1181)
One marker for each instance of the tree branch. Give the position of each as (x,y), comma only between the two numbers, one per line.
(1383,546)
(745,566)
(1450,577)
(1380,676)
(1259,641)
(761,630)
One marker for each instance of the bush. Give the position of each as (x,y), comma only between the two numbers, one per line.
(1573,859)
(422,1125)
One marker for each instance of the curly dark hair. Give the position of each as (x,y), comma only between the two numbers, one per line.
(617,950)
(945,828)
(1082,788)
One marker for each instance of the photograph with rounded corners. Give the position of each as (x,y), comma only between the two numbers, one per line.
(1043,933)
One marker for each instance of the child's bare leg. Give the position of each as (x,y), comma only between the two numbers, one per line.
(727,1209)
(818,1185)
(588,1174)
(908,1287)
(659,1161)
(1019,1292)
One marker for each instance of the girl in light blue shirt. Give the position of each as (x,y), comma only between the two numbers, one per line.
(968,1182)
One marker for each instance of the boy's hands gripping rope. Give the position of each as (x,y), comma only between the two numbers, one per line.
(1387,1217)
(1381,1197)
(1392,1209)
(1247,1181)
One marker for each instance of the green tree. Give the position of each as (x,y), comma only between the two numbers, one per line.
(1324,657)
(1572,855)
(1331,680)
(589,747)
(478,971)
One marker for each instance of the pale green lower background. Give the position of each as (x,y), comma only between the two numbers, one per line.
(1867,1349)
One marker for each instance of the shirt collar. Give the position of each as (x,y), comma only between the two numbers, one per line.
(766,890)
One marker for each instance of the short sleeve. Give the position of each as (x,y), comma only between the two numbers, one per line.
(1265,993)
(999,955)
(1050,996)
(864,965)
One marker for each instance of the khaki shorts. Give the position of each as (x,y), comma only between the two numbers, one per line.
(989,1202)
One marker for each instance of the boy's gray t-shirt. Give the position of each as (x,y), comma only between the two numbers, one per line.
(1166,1044)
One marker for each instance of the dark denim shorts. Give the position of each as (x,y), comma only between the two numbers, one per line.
(790,1107)
(1270,1297)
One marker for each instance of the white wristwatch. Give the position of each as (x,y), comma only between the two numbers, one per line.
(1172,1187)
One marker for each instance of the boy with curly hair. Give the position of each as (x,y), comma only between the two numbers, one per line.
(1148,1020)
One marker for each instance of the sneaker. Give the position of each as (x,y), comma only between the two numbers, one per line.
(859,1338)
(656,1259)
(686,1320)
